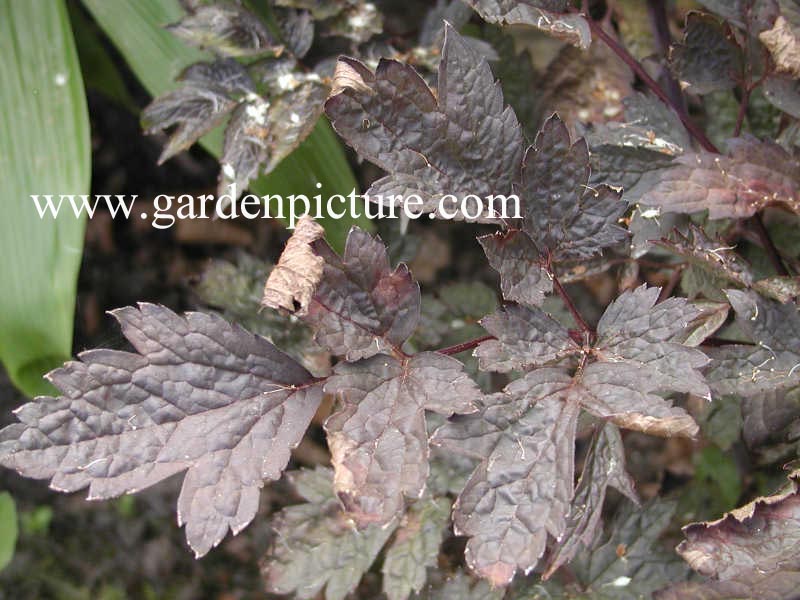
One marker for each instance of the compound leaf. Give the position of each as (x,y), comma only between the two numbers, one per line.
(378,436)
(461,141)
(200,396)
(318,533)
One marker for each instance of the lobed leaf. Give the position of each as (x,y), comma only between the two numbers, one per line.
(377,434)
(751,552)
(548,15)
(318,533)
(561,213)
(708,59)
(754,176)
(604,466)
(415,548)
(358,306)
(522,488)
(201,396)
(461,141)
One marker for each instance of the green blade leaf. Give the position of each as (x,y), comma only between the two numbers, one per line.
(8,529)
(44,149)
(156,57)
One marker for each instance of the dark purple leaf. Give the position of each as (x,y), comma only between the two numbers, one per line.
(356,305)
(548,15)
(361,307)
(561,212)
(201,396)
(749,553)
(526,338)
(708,59)
(461,141)
(264,131)
(210,91)
(766,374)
(755,175)
(604,466)
(377,434)
(523,277)
(522,488)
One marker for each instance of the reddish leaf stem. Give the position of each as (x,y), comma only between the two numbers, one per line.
(637,68)
(571,305)
(464,346)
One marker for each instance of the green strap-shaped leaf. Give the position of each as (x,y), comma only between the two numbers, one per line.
(44,149)
(8,529)
(156,57)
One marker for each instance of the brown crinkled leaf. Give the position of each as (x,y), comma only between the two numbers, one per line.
(604,466)
(316,544)
(200,396)
(292,282)
(755,175)
(561,212)
(516,258)
(634,361)
(526,338)
(377,434)
(462,140)
(709,58)
(548,15)
(361,307)
(784,46)
(521,490)
(750,553)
